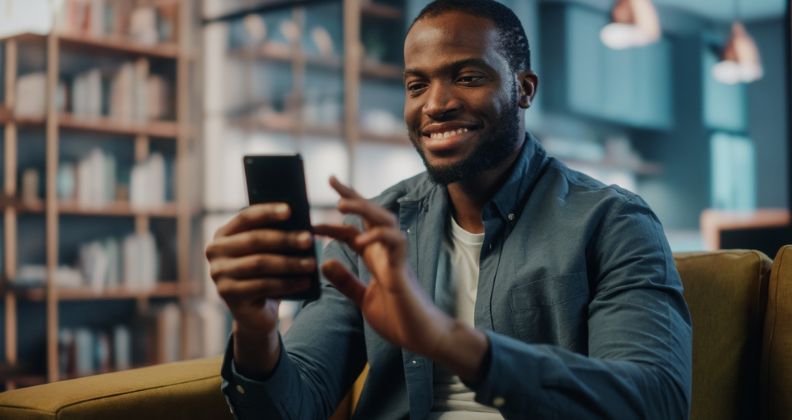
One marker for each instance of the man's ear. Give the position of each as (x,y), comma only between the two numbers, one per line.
(528,82)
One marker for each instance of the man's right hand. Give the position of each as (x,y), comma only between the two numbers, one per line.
(249,263)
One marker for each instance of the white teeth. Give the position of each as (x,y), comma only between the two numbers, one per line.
(447,134)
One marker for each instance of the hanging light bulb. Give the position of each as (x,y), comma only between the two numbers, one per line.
(740,61)
(634,23)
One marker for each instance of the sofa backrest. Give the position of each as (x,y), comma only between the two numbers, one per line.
(726,293)
(776,374)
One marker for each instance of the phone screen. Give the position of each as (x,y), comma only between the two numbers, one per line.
(280,178)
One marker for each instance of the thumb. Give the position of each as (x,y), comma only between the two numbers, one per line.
(344,281)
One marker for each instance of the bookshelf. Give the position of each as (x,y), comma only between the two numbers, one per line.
(147,138)
(324,79)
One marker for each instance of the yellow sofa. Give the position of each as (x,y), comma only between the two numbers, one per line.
(742,357)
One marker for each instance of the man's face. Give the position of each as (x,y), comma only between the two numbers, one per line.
(462,106)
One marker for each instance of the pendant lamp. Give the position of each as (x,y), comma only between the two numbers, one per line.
(740,61)
(634,23)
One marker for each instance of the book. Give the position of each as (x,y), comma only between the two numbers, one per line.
(31,95)
(142,23)
(140,262)
(147,182)
(122,347)
(97,179)
(30,186)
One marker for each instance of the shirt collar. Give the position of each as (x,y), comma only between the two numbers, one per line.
(508,200)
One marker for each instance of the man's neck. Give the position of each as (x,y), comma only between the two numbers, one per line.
(468,197)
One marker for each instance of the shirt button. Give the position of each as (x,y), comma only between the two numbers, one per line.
(498,402)
(510,217)
(408,230)
(414,362)
(490,247)
(240,389)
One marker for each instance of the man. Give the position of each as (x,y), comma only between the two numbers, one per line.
(499,275)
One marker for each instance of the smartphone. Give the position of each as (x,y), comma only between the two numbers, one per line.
(280,178)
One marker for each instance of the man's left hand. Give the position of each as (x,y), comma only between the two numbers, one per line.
(393,303)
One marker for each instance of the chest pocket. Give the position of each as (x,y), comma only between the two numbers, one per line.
(552,310)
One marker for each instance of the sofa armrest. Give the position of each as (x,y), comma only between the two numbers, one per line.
(189,389)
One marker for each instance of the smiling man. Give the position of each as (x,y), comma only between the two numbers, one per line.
(497,284)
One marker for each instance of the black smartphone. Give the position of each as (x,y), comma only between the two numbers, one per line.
(280,178)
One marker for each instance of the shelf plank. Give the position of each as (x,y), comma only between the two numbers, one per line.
(283,54)
(103,45)
(163,289)
(161,129)
(375,70)
(118,209)
(5,115)
(369,136)
(286,127)
(25,120)
(73,208)
(384,11)
(117,45)
(103,125)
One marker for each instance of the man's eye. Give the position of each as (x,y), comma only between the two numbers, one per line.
(415,87)
(469,80)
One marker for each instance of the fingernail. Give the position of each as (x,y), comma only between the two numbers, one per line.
(304,238)
(281,209)
(307,263)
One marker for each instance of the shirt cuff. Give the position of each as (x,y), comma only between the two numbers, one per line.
(262,395)
(499,383)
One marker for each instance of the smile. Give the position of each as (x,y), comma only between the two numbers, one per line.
(447,134)
(446,140)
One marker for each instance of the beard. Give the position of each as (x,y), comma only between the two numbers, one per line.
(491,150)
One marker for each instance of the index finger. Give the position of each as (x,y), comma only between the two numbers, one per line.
(343,190)
(255,216)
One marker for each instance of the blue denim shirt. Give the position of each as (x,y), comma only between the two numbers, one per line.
(578,295)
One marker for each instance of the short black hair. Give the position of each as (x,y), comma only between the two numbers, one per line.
(512,40)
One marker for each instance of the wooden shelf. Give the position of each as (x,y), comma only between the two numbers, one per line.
(94,45)
(374,70)
(384,11)
(103,125)
(371,137)
(117,209)
(114,209)
(107,125)
(162,290)
(283,54)
(56,55)
(286,127)
(5,115)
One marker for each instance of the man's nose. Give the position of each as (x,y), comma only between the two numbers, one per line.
(440,102)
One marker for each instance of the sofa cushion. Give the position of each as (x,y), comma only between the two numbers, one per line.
(777,355)
(189,390)
(726,292)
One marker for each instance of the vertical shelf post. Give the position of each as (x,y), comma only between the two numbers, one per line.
(352,61)
(182,172)
(10,220)
(298,81)
(51,207)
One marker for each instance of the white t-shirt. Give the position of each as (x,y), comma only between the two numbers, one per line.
(452,399)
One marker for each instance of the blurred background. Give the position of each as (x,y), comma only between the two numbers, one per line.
(123,124)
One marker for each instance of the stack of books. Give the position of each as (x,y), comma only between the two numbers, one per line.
(145,24)
(131,263)
(94,181)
